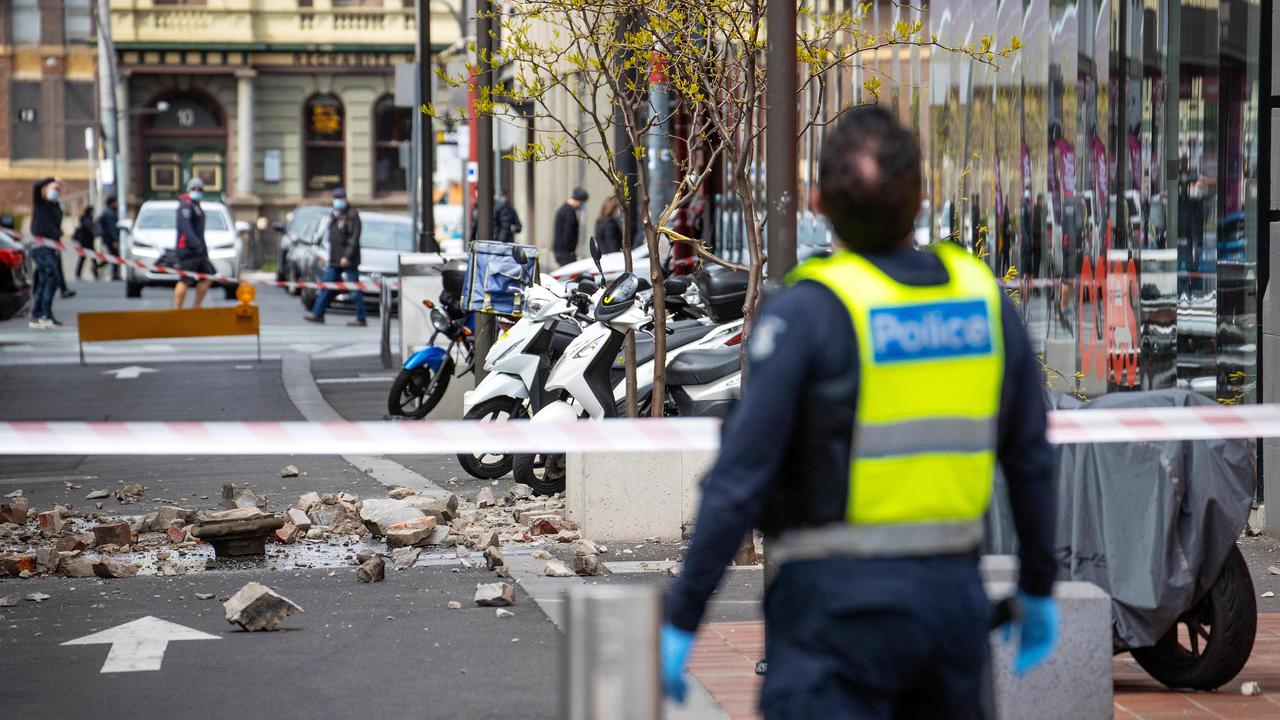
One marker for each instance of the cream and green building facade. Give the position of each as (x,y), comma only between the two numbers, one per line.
(273,103)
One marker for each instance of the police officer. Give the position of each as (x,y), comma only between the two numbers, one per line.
(193,254)
(884,385)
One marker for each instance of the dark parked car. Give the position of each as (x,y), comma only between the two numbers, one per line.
(299,228)
(15,274)
(382,238)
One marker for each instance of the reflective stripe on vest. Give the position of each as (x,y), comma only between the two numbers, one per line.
(931,366)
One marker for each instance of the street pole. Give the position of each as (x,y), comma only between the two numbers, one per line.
(426,147)
(780,141)
(107,110)
(486,328)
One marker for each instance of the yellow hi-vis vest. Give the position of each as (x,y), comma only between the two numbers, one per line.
(931,367)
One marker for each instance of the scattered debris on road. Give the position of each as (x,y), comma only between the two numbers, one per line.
(241,532)
(257,607)
(289,471)
(455,605)
(503,613)
(37,597)
(204,596)
(10,600)
(109,567)
(1250,689)
(97,495)
(555,568)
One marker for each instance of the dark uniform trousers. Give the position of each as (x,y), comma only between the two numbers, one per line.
(875,638)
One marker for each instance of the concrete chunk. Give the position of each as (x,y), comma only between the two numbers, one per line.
(74,565)
(498,594)
(555,568)
(258,607)
(375,570)
(14,511)
(412,532)
(586,565)
(298,518)
(15,565)
(109,567)
(238,496)
(441,506)
(405,557)
(308,502)
(378,514)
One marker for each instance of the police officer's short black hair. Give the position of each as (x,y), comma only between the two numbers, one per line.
(869,179)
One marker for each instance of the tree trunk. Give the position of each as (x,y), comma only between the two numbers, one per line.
(629,345)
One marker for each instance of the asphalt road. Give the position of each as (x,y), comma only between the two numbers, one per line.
(390,649)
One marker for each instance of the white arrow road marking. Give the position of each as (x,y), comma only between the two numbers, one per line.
(139,645)
(128,373)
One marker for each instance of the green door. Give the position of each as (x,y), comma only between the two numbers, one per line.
(169,168)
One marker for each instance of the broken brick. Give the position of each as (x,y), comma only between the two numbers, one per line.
(50,522)
(410,532)
(15,565)
(69,543)
(288,533)
(112,534)
(109,567)
(14,511)
(258,607)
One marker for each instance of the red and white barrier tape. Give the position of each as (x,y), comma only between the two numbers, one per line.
(355,438)
(615,435)
(126,262)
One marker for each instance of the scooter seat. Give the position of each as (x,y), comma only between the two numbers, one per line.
(699,367)
(683,333)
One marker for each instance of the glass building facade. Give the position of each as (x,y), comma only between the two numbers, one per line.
(1109,171)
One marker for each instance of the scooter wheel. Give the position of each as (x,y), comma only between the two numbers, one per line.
(414,393)
(490,466)
(544,473)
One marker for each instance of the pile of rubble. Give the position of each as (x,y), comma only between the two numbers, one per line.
(65,541)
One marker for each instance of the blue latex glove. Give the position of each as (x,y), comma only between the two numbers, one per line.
(675,646)
(1037,630)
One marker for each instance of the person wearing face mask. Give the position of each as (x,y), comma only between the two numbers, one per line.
(193,254)
(344,259)
(609,226)
(46,222)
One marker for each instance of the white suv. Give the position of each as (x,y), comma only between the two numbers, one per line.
(156,229)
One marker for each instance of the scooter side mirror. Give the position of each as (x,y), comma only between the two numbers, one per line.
(596,254)
(587,287)
(519,255)
(675,286)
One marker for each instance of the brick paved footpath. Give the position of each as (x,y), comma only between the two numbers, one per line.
(725,655)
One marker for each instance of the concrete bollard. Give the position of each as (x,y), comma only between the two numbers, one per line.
(628,497)
(1076,681)
(611,664)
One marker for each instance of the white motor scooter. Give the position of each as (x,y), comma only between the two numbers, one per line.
(518,365)
(584,375)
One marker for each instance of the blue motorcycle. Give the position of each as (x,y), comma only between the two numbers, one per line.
(425,376)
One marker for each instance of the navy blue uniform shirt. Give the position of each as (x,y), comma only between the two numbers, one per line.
(190,228)
(803,338)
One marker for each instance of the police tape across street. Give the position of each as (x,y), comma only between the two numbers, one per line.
(1161,424)
(373,286)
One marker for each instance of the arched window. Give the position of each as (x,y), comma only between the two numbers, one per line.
(324,155)
(392,132)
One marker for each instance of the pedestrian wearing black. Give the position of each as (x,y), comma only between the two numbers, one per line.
(193,254)
(506,221)
(344,259)
(862,619)
(46,222)
(565,239)
(84,237)
(608,233)
(109,231)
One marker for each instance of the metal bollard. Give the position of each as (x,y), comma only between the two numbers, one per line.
(384,317)
(611,662)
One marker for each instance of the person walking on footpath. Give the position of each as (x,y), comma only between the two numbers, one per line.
(565,238)
(897,379)
(193,253)
(608,232)
(506,221)
(109,231)
(85,238)
(344,259)
(46,222)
